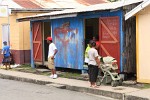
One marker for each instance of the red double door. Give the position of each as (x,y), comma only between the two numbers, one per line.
(109,37)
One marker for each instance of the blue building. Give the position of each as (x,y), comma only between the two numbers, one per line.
(72,29)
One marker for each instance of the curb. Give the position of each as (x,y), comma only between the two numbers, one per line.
(96,92)
(110,94)
(130,97)
(3,76)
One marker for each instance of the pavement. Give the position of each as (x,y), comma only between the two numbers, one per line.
(119,92)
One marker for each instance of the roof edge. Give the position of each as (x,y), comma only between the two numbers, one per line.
(137,9)
(35,10)
(97,7)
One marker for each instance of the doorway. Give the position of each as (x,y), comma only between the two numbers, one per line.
(46,33)
(106,30)
(91,29)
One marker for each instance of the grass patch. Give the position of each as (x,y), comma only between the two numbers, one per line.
(61,73)
(45,73)
(146,86)
(24,68)
(70,75)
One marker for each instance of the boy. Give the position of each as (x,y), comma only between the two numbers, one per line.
(6,55)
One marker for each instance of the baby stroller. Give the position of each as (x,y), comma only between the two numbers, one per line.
(108,67)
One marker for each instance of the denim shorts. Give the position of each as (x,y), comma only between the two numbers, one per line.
(6,60)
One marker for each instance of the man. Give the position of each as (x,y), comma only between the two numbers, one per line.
(6,55)
(51,56)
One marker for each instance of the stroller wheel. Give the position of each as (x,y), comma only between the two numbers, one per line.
(120,82)
(98,81)
(114,83)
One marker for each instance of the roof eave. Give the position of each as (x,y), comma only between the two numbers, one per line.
(36,10)
(137,9)
(32,18)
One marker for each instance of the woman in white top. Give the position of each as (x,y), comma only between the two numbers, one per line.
(93,64)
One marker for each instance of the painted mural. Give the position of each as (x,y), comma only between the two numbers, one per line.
(68,40)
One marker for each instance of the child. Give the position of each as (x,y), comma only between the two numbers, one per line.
(86,54)
(6,55)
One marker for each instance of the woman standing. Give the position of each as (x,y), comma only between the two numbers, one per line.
(93,64)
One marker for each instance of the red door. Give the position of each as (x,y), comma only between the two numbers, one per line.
(109,37)
(37,41)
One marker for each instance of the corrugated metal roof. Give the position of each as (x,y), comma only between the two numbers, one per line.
(27,4)
(47,5)
(104,6)
(10,3)
(91,2)
(68,3)
(50,3)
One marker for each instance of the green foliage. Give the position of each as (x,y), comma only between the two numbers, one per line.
(25,68)
(146,86)
(28,69)
(70,75)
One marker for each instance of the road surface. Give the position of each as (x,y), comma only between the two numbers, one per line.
(14,90)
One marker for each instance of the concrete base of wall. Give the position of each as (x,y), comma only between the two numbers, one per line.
(20,56)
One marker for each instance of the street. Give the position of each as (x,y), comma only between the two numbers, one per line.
(14,90)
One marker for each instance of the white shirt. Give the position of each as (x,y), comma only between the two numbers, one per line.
(52,49)
(92,53)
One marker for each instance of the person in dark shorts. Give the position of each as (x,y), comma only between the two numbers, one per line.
(93,64)
(6,55)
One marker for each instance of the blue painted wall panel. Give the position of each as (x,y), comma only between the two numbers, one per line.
(101,14)
(68,37)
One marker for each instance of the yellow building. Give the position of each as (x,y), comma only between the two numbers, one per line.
(142,13)
(18,34)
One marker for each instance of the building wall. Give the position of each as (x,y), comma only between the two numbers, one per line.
(68,37)
(129,41)
(143,48)
(19,37)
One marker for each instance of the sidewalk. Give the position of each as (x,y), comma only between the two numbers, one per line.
(119,92)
